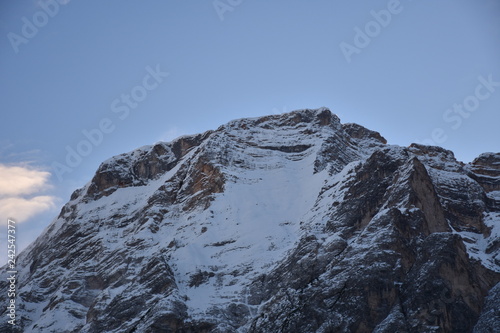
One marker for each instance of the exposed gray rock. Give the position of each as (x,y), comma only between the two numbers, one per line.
(489,321)
(283,223)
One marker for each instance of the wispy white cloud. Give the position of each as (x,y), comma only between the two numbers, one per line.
(21,209)
(22,180)
(18,188)
(29,155)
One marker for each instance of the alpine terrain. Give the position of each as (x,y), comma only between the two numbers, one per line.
(284,223)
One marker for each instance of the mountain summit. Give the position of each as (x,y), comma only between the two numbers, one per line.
(284,223)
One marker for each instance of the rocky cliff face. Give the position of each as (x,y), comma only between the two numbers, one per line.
(285,223)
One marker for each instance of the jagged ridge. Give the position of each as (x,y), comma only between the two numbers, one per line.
(284,223)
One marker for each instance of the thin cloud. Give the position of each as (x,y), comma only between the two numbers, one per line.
(21,209)
(18,188)
(29,155)
(19,180)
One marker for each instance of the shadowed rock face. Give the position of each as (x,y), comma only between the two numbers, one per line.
(140,166)
(356,131)
(392,269)
(284,223)
(485,169)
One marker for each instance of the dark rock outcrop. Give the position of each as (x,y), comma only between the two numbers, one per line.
(283,223)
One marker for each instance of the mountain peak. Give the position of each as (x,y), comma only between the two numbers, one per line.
(321,116)
(282,223)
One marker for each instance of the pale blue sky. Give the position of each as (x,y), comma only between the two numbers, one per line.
(246,58)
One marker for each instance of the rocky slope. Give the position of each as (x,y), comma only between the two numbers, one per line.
(284,223)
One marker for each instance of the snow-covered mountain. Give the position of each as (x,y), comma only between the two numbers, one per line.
(284,223)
